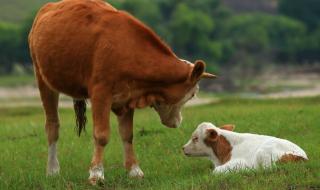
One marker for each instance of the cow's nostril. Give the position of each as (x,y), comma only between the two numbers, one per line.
(184,150)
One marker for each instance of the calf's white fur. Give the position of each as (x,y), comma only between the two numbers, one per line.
(229,150)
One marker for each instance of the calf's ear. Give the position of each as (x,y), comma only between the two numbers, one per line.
(212,135)
(228,127)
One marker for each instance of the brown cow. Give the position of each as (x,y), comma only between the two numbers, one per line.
(89,50)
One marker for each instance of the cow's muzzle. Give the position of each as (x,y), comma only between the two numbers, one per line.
(171,125)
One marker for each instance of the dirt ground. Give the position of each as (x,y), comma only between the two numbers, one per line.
(291,84)
(29,96)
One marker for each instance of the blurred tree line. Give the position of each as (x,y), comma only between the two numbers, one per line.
(207,30)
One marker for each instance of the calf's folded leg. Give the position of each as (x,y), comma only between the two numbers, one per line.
(236,164)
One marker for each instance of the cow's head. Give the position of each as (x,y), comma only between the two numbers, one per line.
(170,114)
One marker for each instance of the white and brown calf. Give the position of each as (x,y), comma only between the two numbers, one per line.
(229,150)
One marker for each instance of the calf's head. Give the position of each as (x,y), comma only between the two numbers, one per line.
(207,140)
(170,113)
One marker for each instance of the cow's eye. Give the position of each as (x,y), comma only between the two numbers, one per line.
(195,139)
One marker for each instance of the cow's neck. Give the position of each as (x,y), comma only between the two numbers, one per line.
(132,95)
(153,60)
(154,73)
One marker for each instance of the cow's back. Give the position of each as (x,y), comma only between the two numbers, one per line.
(79,43)
(64,40)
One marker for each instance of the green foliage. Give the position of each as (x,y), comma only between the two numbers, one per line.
(9,42)
(261,33)
(14,45)
(150,15)
(245,31)
(195,30)
(308,11)
(187,26)
(16,11)
(192,30)
(24,148)
(309,48)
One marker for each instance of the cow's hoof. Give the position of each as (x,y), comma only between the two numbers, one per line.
(96,181)
(136,172)
(53,168)
(96,175)
(53,172)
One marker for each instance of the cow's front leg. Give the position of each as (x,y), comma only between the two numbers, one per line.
(126,132)
(101,105)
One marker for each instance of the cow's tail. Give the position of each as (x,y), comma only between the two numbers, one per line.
(80,107)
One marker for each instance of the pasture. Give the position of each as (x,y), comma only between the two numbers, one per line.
(23,150)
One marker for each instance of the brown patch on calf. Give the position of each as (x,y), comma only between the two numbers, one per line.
(219,144)
(290,158)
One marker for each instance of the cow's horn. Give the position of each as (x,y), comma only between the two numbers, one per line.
(208,76)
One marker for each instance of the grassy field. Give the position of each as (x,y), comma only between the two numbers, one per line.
(24,152)
(16,80)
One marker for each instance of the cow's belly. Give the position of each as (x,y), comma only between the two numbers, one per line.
(63,68)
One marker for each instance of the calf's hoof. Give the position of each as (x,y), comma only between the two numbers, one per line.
(96,175)
(136,172)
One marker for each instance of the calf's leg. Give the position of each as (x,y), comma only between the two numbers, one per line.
(236,164)
(126,132)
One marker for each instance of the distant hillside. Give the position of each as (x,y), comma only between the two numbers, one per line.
(17,10)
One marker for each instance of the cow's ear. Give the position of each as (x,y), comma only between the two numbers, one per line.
(198,69)
(212,135)
(228,127)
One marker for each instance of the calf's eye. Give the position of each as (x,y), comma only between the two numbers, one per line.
(195,139)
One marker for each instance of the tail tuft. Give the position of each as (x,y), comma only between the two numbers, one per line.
(80,107)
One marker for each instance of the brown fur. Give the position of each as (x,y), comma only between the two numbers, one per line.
(290,158)
(88,49)
(219,144)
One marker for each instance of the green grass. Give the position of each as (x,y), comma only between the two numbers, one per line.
(16,80)
(23,148)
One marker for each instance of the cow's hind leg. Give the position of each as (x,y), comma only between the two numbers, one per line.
(126,132)
(50,100)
